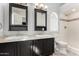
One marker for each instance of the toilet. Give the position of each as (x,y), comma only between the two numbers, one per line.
(60,48)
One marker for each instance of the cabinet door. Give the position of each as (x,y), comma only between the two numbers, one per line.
(37,47)
(8,49)
(25,48)
(48,46)
(45,46)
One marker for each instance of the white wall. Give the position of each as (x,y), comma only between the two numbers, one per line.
(1,18)
(52,7)
(62,36)
(74,15)
(72,33)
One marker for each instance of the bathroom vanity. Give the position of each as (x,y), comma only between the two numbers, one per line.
(27,47)
(21,18)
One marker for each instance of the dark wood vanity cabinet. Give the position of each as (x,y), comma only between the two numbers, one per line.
(20,48)
(8,49)
(25,48)
(45,46)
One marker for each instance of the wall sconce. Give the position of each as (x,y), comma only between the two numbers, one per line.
(40,6)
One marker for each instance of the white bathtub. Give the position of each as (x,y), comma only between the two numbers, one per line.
(72,51)
(64,49)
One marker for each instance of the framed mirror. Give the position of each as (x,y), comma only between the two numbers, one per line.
(18,17)
(40,20)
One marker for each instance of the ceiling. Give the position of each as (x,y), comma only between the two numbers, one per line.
(69,9)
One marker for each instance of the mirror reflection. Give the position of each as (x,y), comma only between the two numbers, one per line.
(54,22)
(18,16)
(40,19)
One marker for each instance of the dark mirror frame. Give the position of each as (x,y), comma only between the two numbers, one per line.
(17,27)
(40,28)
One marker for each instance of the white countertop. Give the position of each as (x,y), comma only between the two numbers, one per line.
(23,38)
